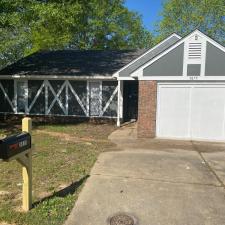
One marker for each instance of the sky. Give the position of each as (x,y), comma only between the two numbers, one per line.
(149,9)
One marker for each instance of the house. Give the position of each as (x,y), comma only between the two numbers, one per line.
(175,89)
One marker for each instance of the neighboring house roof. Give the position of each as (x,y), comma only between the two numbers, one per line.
(148,55)
(72,63)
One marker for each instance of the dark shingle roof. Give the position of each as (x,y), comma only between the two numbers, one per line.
(72,63)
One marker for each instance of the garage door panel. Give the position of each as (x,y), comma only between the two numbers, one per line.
(174,112)
(191,111)
(207,116)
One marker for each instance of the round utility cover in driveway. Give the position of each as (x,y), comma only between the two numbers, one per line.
(122,219)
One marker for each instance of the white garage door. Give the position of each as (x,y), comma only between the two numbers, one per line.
(191,111)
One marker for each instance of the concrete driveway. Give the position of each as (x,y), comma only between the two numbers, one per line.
(158,182)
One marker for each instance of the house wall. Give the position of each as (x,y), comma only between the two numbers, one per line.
(193,70)
(147,109)
(150,54)
(58,97)
(215,61)
(172,64)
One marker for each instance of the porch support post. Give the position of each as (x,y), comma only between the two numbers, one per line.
(120,102)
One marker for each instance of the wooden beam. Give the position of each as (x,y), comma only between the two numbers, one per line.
(26,162)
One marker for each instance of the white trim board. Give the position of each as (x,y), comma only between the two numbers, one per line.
(56,77)
(184,78)
(116,74)
(139,72)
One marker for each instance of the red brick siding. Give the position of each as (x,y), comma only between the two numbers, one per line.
(147,102)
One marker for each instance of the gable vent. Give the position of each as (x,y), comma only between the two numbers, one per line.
(194,51)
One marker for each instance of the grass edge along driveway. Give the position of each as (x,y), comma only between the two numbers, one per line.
(62,158)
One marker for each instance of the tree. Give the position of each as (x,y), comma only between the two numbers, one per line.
(183,16)
(109,24)
(12,32)
(27,26)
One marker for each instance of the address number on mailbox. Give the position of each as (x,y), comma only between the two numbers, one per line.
(15,144)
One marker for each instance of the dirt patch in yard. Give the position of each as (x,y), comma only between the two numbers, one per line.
(63,156)
(3,223)
(67,137)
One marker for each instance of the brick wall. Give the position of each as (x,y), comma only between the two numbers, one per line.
(147,102)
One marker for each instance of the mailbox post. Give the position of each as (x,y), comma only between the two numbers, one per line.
(19,147)
(26,162)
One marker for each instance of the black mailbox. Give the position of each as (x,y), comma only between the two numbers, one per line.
(15,144)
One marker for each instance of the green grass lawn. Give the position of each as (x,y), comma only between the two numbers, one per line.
(60,167)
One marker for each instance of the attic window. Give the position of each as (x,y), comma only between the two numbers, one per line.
(194,51)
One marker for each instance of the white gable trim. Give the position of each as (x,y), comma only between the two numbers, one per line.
(184,78)
(194,52)
(116,74)
(139,72)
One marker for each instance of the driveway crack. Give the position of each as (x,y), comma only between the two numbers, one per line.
(208,165)
(155,180)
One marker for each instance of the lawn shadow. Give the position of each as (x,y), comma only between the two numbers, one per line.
(71,189)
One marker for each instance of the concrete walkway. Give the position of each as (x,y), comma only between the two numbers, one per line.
(159,182)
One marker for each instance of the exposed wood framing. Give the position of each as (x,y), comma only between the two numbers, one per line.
(67,98)
(46,96)
(77,97)
(109,101)
(47,87)
(15,96)
(36,96)
(100,99)
(56,97)
(7,97)
(88,98)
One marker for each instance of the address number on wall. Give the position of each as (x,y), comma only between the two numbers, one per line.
(193,78)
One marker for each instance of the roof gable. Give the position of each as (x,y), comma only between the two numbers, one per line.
(215,61)
(148,55)
(194,54)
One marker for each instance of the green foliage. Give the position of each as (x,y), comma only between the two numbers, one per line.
(12,31)
(183,16)
(31,25)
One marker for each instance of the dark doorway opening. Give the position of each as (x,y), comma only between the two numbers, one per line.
(130,100)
